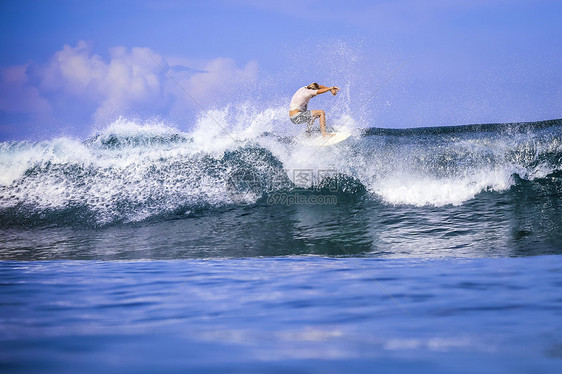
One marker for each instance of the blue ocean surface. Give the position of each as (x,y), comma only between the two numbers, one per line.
(144,248)
(297,314)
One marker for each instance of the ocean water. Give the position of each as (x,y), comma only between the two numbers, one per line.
(235,248)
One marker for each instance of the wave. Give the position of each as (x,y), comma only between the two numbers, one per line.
(440,166)
(503,128)
(135,171)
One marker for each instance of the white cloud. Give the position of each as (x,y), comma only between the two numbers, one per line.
(219,78)
(128,79)
(73,70)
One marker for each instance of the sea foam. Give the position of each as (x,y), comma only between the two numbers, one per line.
(134,170)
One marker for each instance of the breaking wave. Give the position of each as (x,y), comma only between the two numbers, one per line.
(134,171)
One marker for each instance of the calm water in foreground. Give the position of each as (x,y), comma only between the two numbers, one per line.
(298,314)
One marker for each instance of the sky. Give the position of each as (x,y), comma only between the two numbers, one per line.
(70,68)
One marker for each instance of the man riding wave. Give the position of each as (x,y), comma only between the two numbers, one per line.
(298,109)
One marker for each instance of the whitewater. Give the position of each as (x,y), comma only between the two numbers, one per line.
(133,171)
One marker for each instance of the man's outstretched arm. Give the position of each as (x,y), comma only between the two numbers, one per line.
(324,89)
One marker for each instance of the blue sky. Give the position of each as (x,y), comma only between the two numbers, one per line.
(68,67)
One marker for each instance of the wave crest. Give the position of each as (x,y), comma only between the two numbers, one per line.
(132,172)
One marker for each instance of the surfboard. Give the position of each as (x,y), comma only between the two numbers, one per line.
(317,140)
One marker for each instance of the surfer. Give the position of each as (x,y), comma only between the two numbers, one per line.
(298,109)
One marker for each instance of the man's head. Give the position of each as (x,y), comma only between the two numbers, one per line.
(313,86)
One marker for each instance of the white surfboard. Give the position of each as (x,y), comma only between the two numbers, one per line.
(317,140)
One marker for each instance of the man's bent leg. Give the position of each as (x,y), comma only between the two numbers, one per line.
(322,119)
